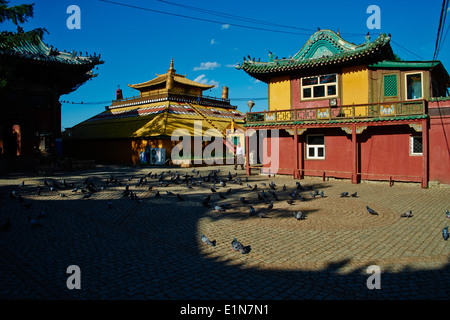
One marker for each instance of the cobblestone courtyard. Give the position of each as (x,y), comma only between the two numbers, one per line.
(151,248)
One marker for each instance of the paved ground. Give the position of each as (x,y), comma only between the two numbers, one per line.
(150,248)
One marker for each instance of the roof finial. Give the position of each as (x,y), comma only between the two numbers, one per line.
(171,69)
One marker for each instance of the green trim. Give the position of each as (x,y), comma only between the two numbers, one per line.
(405,64)
(384,119)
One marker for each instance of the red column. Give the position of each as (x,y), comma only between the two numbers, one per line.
(355,155)
(424,153)
(300,158)
(296,175)
(247,154)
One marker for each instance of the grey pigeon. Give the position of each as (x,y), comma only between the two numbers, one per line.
(447,213)
(407,214)
(354,194)
(243,200)
(445,234)
(321,194)
(208,242)
(219,208)
(262,215)
(312,194)
(290,201)
(87,195)
(237,246)
(299,215)
(270,207)
(371,211)
(252,211)
(344,194)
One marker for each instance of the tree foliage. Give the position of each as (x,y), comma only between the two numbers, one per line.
(18,15)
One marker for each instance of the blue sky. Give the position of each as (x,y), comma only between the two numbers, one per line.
(138,44)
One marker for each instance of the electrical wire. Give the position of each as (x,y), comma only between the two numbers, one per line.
(223,15)
(200,19)
(398,44)
(240,18)
(440,27)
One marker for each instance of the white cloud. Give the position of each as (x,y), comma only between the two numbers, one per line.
(207,66)
(230,65)
(202,79)
(225,26)
(213,41)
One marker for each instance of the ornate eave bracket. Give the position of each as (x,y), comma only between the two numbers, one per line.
(292,131)
(349,130)
(416,126)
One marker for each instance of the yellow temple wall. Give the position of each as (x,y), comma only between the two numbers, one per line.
(355,87)
(280,93)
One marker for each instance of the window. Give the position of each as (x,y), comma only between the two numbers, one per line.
(415,146)
(315,147)
(319,86)
(390,85)
(413,86)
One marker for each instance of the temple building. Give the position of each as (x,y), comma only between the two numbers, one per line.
(353,111)
(139,129)
(30,111)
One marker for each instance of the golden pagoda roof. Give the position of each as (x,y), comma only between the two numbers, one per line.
(157,119)
(178,78)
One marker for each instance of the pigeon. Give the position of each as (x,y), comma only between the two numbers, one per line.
(38,191)
(354,194)
(180,198)
(170,193)
(87,195)
(6,226)
(208,242)
(237,246)
(447,213)
(312,194)
(157,194)
(22,184)
(262,215)
(344,194)
(445,233)
(219,208)
(62,195)
(252,211)
(213,190)
(243,200)
(321,194)
(205,203)
(290,201)
(407,214)
(299,215)
(75,189)
(284,187)
(270,207)
(42,214)
(371,211)
(33,222)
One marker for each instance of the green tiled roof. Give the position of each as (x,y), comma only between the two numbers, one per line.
(324,48)
(43,53)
